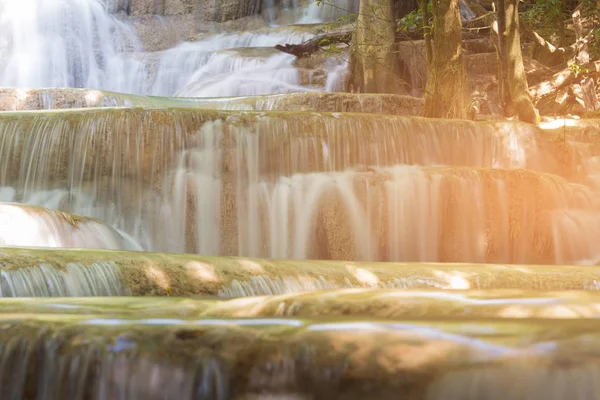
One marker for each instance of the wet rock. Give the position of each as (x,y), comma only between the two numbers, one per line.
(100,273)
(163,32)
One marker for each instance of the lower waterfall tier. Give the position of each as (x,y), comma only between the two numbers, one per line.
(110,358)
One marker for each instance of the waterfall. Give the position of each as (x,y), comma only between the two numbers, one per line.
(230,74)
(392,255)
(408,214)
(81,45)
(37,227)
(216,65)
(326,11)
(62,43)
(74,279)
(299,185)
(66,357)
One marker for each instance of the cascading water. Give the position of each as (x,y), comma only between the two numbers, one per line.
(409,214)
(38,227)
(279,185)
(81,45)
(229,188)
(176,176)
(217,65)
(62,43)
(325,11)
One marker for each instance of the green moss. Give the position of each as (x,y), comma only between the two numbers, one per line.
(161,274)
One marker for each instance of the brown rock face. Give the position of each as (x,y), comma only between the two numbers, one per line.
(206,10)
(227,10)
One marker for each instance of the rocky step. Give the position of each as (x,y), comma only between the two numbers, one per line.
(13,99)
(81,273)
(86,357)
(383,304)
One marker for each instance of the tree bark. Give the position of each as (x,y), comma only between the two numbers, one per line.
(426,30)
(517,79)
(374,61)
(503,87)
(446,89)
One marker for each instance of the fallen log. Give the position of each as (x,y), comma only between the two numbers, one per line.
(311,46)
(561,79)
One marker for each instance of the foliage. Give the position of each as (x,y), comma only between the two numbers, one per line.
(578,69)
(547,17)
(414,19)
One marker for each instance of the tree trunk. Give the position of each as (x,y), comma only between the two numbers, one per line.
(503,88)
(517,79)
(446,89)
(374,61)
(426,31)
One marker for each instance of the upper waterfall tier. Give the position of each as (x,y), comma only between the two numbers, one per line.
(302,185)
(222,64)
(77,43)
(81,145)
(56,43)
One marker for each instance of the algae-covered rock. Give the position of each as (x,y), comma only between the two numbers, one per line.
(46,272)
